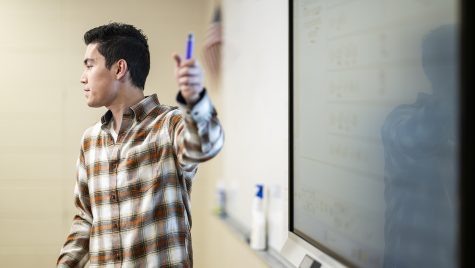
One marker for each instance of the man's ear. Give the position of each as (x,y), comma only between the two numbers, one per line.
(121,69)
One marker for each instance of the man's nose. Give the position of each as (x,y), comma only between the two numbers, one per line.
(83,78)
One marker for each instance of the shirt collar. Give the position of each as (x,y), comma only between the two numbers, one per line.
(139,110)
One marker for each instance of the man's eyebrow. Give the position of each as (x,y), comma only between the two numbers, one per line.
(88,60)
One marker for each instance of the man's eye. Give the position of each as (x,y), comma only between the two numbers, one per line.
(89,66)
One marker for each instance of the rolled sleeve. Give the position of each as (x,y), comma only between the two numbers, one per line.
(201,130)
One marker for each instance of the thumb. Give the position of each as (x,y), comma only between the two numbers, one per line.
(177,59)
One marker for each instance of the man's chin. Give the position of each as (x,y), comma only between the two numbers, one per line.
(93,105)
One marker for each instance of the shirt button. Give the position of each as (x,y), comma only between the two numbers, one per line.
(113,197)
(117,256)
(116,225)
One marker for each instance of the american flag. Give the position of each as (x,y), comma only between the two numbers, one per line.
(212,49)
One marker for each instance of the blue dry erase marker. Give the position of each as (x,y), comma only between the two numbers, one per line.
(189,46)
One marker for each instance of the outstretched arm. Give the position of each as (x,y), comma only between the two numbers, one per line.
(199,135)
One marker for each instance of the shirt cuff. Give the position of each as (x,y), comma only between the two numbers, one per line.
(202,110)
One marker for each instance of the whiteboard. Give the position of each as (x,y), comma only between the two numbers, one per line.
(375,130)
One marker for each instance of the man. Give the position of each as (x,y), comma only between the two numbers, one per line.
(136,165)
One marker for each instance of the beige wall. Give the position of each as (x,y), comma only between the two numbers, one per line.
(43,115)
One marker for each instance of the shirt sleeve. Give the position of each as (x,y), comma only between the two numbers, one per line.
(75,252)
(198,135)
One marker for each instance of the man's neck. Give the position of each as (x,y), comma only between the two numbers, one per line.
(127,97)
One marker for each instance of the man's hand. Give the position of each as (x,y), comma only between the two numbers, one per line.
(189,77)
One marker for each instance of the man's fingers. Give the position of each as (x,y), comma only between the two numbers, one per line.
(187,71)
(189,80)
(189,63)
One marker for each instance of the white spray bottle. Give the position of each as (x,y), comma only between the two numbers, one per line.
(258,229)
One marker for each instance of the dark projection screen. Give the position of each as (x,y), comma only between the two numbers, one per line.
(375,120)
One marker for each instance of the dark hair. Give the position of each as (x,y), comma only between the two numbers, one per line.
(122,41)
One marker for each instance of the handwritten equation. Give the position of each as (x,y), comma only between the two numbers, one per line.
(312,20)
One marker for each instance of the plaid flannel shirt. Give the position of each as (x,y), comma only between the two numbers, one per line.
(133,195)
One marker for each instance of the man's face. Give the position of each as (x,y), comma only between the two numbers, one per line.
(100,84)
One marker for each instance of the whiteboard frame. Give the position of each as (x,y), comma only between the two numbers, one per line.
(297,245)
